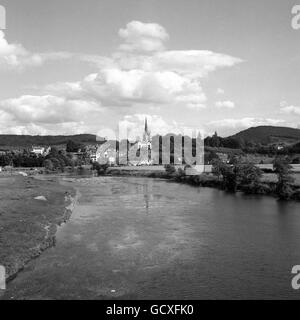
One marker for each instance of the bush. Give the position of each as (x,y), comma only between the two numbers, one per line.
(296,195)
(170,169)
(100,168)
(284,191)
(48,165)
(260,188)
(180,172)
(296,160)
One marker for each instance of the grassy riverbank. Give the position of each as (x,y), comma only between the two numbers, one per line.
(28,225)
(267,184)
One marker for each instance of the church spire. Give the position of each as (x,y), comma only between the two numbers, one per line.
(146,134)
(146,126)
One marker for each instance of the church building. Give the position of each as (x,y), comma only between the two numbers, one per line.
(140,153)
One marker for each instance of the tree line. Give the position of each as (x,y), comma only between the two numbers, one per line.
(54,160)
(245,177)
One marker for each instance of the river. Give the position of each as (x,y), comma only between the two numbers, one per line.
(142,238)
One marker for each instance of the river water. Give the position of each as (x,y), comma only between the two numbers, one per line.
(141,238)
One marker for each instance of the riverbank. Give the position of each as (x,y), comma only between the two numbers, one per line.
(267,184)
(31,210)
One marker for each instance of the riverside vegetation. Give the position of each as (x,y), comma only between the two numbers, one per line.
(55,160)
(233,177)
(245,177)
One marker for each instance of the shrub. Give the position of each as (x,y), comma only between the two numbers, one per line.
(100,168)
(170,169)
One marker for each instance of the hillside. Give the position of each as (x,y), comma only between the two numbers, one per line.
(269,134)
(262,134)
(26,140)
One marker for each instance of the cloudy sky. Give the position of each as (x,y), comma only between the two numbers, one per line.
(71,66)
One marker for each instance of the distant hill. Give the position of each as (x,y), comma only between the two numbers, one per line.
(269,134)
(262,134)
(27,141)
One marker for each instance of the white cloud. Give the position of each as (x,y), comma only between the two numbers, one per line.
(283,104)
(159,78)
(157,125)
(220,91)
(67,128)
(47,109)
(116,87)
(139,36)
(290,110)
(100,62)
(244,123)
(189,63)
(225,104)
(16,56)
(142,73)
(193,63)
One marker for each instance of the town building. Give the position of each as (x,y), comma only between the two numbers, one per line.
(39,150)
(139,153)
(91,151)
(107,153)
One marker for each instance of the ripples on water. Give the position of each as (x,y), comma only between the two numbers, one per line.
(145,238)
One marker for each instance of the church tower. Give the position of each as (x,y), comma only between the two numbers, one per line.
(147,134)
(145,146)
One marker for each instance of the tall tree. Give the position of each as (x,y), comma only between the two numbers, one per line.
(72,146)
(283,169)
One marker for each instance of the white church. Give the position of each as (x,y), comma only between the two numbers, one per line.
(140,153)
